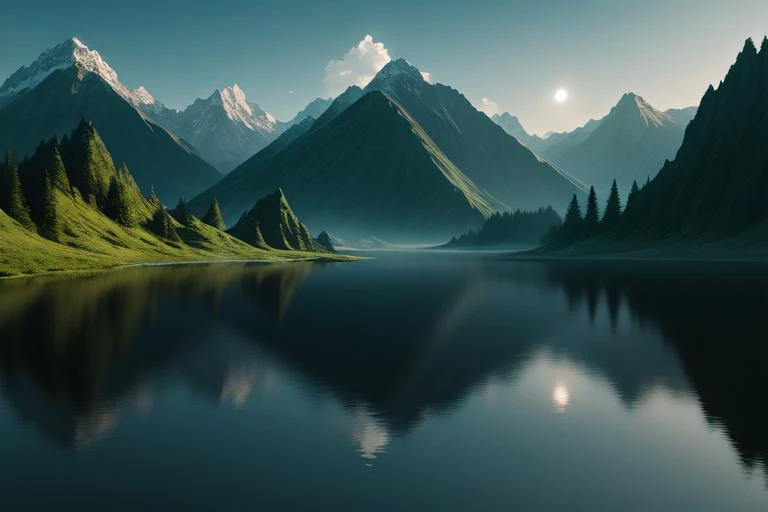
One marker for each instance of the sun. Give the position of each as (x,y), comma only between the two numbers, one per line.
(561,96)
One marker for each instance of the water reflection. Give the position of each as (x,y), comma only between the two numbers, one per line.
(396,341)
(561,397)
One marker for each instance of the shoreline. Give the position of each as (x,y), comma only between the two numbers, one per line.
(146,264)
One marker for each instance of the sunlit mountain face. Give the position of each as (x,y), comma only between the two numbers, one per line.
(402,364)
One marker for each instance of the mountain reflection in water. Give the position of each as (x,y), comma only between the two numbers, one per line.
(395,341)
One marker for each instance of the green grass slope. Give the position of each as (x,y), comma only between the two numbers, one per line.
(91,241)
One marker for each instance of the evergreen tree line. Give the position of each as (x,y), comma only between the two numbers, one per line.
(79,167)
(577,227)
(518,227)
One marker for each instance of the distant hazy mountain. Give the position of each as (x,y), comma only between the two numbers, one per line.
(370,171)
(225,128)
(339,104)
(483,151)
(514,127)
(71,82)
(629,144)
(315,109)
(540,145)
(716,187)
(682,115)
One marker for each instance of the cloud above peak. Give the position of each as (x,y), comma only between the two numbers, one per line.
(358,66)
(488,106)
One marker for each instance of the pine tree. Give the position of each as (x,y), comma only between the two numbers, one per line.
(50,224)
(162,225)
(592,216)
(213,217)
(154,199)
(572,228)
(117,206)
(56,170)
(573,221)
(612,210)
(632,193)
(181,213)
(89,164)
(12,200)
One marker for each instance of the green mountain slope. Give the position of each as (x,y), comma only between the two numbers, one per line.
(370,171)
(109,223)
(56,105)
(272,224)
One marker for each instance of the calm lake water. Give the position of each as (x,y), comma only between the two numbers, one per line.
(406,382)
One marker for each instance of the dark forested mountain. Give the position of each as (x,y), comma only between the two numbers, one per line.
(371,170)
(508,228)
(71,82)
(715,188)
(718,184)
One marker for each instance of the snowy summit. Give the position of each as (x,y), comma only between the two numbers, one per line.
(71,52)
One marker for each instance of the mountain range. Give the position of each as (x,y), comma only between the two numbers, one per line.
(629,144)
(51,95)
(225,128)
(69,83)
(403,141)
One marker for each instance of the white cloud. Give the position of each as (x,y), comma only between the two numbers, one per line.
(426,76)
(488,106)
(358,66)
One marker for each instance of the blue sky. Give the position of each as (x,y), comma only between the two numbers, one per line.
(514,53)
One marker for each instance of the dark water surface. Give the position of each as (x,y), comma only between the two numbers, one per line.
(407,382)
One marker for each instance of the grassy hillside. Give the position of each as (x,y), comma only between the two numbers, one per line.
(98,243)
(89,215)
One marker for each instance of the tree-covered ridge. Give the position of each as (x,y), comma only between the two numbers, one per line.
(717,185)
(713,195)
(69,207)
(271,223)
(510,228)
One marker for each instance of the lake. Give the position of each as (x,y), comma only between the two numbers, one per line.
(410,381)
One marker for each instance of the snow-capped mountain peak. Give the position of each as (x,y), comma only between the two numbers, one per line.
(237,107)
(143,96)
(633,104)
(401,67)
(71,52)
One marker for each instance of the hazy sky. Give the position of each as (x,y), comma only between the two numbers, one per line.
(516,54)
